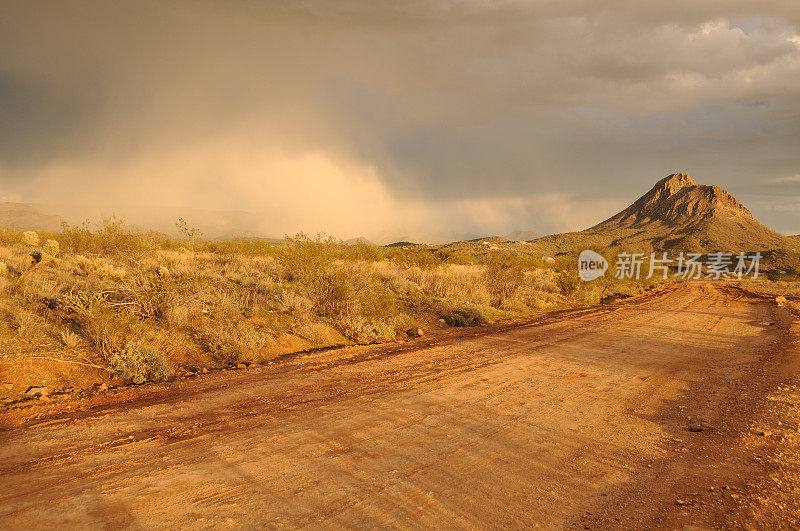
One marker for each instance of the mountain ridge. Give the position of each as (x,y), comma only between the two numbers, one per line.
(27,216)
(676,214)
(677,199)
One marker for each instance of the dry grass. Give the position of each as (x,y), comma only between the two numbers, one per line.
(143,306)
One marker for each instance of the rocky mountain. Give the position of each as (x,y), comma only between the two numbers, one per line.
(677,214)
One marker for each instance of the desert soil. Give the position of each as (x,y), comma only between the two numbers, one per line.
(581,420)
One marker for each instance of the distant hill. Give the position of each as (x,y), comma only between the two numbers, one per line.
(522,235)
(677,214)
(489,239)
(27,217)
(419,237)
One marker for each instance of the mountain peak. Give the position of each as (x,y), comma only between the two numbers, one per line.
(677,207)
(676,215)
(677,201)
(674,182)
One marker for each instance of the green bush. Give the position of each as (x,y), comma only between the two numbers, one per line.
(139,363)
(464,317)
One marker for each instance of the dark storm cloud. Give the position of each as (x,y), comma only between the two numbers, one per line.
(480,116)
(41,120)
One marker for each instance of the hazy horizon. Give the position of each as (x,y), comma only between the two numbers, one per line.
(355,119)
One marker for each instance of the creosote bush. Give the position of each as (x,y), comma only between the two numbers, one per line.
(111,238)
(363,331)
(465,317)
(504,276)
(139,362)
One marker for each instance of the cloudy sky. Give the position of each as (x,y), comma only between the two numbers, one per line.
(355,117)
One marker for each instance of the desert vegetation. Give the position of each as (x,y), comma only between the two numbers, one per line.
(139,306)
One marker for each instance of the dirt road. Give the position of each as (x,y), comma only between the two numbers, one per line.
(579,422)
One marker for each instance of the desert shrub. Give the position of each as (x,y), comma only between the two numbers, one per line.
(85,265)
(82,303)
(343,290)
(362,252)
(509,259)
(111,272)
(139,362)
(331,292)
(415,257)
(568,282)
(9,237)
(144,296)
(230,344)
(111,238)
(108,331)
(250,342)
(305,258)
(289,301)
(37,290)
(546,282)
(50,248)
(324,284)
(455,282)
(503,278)
(222,353)
(30,238)
(364,331)
(460,257)
(245,300)
(179,315)
(468,316)
(318,333)
(249,247)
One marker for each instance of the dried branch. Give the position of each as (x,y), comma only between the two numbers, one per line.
(69,361)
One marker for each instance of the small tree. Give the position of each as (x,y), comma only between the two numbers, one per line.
(189,232)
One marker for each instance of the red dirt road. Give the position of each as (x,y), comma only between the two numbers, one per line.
(577,422)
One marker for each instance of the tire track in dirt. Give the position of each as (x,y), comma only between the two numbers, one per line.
(573,420)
